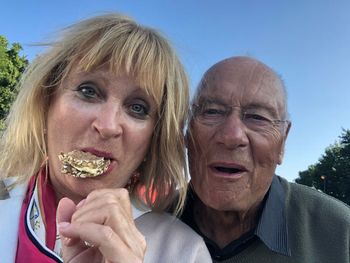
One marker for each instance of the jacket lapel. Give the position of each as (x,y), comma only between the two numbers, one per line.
(10,210)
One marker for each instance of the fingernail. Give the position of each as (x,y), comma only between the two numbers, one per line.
(63,225)
(81,203)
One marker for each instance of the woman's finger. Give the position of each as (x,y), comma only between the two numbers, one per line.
(110,208)
(65,210)
(107,241)
(109,211)
(101,196)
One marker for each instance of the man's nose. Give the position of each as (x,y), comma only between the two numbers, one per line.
(109,121)
(232,132)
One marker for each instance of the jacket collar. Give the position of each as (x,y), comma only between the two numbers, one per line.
(9,220)
(10,210)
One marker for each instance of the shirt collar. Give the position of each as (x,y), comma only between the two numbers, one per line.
(272,227)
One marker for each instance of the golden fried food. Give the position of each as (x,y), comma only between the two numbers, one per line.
(83,164)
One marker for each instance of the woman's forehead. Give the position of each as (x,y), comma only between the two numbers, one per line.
(105,72)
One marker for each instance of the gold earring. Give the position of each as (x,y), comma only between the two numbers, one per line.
(45,161)
(45,165)
(133,181)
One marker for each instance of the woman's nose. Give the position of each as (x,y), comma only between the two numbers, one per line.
(109,121)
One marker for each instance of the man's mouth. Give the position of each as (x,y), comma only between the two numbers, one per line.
(229,170)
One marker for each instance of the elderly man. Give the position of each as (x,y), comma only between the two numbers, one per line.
(244,211)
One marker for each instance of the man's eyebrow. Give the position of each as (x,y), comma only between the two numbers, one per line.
(250,106)
(211,100)
(259,106)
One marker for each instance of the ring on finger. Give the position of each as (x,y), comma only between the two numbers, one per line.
(88,244)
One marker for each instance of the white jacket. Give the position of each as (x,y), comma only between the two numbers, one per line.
(168,239)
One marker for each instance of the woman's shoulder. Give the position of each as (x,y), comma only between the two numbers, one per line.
(170,240)
(165,224)
(4,193)
(9,188)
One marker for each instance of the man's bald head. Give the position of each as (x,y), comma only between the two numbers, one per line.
(237,134)
(244,70)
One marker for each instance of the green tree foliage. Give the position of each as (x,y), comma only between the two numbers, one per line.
(12,66)
(331,174)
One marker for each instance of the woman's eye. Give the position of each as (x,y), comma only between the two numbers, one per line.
(88,91)
(139,109)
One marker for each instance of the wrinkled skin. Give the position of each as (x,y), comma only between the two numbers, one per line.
(234,199)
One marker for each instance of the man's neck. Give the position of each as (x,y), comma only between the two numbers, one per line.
(223,227)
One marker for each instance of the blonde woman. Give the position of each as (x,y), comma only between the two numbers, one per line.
(98,118)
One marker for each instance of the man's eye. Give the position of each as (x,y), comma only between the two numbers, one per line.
(256,117)
(212,112)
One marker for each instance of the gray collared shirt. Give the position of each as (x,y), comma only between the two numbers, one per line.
(271,229)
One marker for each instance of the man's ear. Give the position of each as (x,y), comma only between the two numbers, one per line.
(285,135)
(186,138)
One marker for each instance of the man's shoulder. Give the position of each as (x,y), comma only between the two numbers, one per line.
(306,198)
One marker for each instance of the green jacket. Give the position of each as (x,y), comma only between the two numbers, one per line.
(318,230)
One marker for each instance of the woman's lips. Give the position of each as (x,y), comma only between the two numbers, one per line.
(87,163)
(98,153)
(110,167)
(105,155)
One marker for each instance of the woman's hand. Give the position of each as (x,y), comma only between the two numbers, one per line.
(100,229)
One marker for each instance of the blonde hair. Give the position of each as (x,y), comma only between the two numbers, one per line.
(126,47)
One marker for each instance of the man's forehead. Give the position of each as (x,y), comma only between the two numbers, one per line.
(242,81)
(242,71)
(232,88)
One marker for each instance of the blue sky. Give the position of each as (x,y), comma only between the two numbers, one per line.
(307,42)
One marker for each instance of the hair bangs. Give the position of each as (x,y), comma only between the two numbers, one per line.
(137,52)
